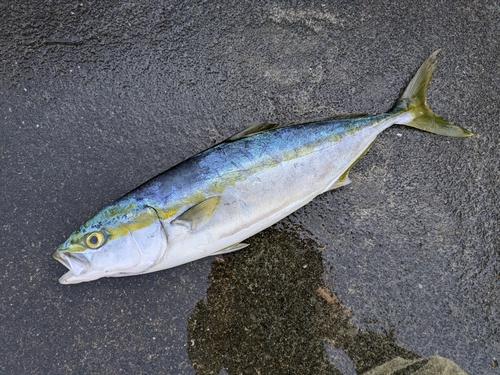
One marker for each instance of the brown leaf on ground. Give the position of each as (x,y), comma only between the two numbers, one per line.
(332,299)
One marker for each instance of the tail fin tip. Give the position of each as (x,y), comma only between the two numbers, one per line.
(414,101)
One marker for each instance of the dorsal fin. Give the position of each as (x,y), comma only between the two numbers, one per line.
(253,129)
(259,128)
(344,116)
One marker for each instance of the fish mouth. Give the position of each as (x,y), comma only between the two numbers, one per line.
(76,263)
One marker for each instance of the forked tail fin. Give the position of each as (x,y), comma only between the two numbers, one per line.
(413,100)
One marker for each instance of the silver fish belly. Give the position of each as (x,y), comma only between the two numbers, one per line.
(210,203)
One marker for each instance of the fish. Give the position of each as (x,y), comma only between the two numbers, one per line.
(210,203)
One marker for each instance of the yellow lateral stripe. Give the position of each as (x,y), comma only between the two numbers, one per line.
(139,222)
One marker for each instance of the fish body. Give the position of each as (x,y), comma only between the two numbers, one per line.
(211,202)
(259,179)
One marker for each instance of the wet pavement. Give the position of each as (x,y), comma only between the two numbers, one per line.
(98,97)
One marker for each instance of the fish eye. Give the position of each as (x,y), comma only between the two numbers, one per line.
(95,240)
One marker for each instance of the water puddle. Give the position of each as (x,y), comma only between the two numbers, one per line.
(268,310)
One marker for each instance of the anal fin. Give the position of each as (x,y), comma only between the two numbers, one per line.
(344,179)
(230,249)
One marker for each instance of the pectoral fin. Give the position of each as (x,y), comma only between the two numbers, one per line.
(230,249)
(199,214)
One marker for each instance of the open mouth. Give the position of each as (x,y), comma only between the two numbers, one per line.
(76,263)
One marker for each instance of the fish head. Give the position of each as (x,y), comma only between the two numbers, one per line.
(123,239)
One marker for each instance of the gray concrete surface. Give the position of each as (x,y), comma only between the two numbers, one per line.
(98,96)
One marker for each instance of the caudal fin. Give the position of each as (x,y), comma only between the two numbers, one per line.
(413,100)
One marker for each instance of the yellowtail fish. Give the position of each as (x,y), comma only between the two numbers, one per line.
(210,203)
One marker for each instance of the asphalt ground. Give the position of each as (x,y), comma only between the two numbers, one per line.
(97,97)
